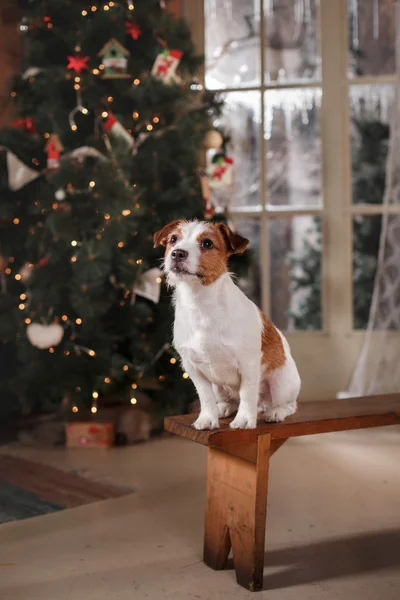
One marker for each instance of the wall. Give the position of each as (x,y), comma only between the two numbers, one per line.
(10,45)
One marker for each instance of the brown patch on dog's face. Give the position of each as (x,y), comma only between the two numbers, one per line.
(273,352)
(165,236)
(213,254)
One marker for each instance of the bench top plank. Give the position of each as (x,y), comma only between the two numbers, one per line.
(322,416)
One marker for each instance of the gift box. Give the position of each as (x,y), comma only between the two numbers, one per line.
(89,435)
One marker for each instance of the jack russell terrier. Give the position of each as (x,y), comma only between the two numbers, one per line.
(236,358)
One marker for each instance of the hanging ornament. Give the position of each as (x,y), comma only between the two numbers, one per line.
(19,174)
(114,57)
(44,336)
(53,150)
(78,63)
(79,108)
(24,25)
(26,124)
(31,72)
(209,208)
(133,29)
(60,195)
(165,65)
(213,139)
(220,171)
(112,126)
(43,261)
(149,286)
(26,272)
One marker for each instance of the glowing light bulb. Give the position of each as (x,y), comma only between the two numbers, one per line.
(133,401)
(64,318)
(92,353)
(149,127)
(125,367)
(120,244)
(94,409)
(107,216)
(110,99)
(107,380)
(17,276)
(104,114)
(16,221)
(136,81)
(51,350)
(8,271)
(172,361)
(78,321)
(77,79)
(74,127)
(156,120)
(77,86)
(159,280)
(131,6)
(185,376)
(134,386)
(74,243)
(126,212)
(92,184)
(85,111)
(84,13)
(23,296)
(94,8)
(135,115)
(95,394)
(73,258)
(75,409)
(21,306)
(106,7)
(95,71)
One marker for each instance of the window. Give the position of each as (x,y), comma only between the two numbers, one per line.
(308,88)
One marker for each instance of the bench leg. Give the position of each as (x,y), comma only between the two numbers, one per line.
(236,512)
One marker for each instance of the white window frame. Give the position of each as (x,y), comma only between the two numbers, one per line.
(332,351)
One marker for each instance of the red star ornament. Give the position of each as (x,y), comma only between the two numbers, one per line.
(78,63)
(133,30)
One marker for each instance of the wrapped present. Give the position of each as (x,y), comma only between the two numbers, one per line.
(89,434)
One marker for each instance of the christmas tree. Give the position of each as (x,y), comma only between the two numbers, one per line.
(104,152)
(368,182)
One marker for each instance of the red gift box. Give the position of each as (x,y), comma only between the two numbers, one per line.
(89,435)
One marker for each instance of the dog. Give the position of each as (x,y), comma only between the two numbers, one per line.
(236,358)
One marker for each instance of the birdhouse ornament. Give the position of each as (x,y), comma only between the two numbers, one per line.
(114,57)
(165,65)
(53,150)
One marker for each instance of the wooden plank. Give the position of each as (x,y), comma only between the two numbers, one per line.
(236,513)
(311,418)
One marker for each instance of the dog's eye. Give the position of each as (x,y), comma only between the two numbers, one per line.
(174,239)
(207,244)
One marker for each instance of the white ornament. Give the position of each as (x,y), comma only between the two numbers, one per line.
(19,174)
(44,336)
(26,272)
(149,285)
(60,195)
(31,72)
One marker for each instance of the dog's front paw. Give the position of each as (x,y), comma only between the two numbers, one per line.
(206,421)
(244,421)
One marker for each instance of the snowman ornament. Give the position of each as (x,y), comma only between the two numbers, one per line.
(44,336)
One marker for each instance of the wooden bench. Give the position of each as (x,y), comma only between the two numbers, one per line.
(237,473)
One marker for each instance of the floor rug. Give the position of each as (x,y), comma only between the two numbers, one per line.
(29,489)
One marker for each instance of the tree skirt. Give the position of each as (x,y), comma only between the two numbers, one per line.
(28,489)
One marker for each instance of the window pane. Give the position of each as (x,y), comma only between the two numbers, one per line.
(366,236)
(292,44)
(372,37)
(241,120)
(295,271)
(232,43)
(246,267)
(370,113)
(292,130)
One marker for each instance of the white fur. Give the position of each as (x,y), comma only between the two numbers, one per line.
(217,332)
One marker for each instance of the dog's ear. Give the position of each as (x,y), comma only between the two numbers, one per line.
(160,237)
(235,243)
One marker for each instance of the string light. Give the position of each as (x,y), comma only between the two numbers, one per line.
(159,280)
(126,212)
(27,321)
(78,321)
(51,350)
(135,115)
(13,94)
(134,386)
(125,367)
(106,7)
(149,127)
(75,409)
(172,361)
(78,389)
(94,409)
(95,71)
(111,3)
(95,394)
(66,352)
(133,401)
(104,114)
(107,216)
(136,81)
(23,296)
(46,135)
(94,8)
(64,318)
(110,99)
(77,79)
(185,376)
(84,13)
(17,276)
(74,243)
(77,86)
(120,244)
(73,258)
(16,221)
(92,353)
(8,271)
(101,67)
(92,184)
(74,127)
(131,6)
(139,261)
(161,378)
(107,380)
(21,306)
(156,120)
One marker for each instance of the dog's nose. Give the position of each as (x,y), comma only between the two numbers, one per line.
(179,255)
